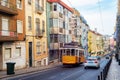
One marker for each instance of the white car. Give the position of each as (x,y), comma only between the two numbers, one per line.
(92,61)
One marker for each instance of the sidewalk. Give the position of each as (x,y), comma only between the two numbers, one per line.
(3,74)
(114,71)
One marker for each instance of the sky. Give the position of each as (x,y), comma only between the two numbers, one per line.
(100,14)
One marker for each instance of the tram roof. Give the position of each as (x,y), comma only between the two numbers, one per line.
(72,45)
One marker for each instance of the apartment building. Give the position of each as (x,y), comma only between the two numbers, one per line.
(75,25)
(84,34)
(95,43)
(12,33)
(36,35)
(59,28)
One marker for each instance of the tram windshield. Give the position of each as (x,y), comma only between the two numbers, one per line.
(72,52)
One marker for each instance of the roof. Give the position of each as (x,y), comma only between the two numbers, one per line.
(72,45)
(61,3)
(95,32)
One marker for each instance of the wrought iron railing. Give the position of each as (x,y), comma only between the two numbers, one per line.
(39,8)
(8,33)
(8,4)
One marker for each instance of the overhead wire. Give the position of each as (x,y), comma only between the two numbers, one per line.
(101,18)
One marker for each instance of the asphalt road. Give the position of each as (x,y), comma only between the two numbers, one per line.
(65,73)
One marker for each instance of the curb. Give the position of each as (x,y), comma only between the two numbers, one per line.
(20,74)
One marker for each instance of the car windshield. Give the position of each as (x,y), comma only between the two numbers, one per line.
(91,59)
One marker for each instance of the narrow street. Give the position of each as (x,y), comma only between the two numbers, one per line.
(43,39)
(66,73)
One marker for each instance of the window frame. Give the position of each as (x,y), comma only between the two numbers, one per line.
(19,51)
(29,2)
(10,54)
(19,5)
(29,23)
(18,29)
(43,25)
(37,23)
(38,48)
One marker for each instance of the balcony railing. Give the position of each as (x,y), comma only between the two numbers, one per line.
(40,33)
(6,35)
(39,9)
(7,7)
(60,15)
(56,14)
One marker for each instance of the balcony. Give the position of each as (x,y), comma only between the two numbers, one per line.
(7,7)
(57,31)
(60,15)
(40,33)
(56,14)
(61,30)
(39,9)
(8,36)
(56,45)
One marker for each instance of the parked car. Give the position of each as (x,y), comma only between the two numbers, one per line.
(92,61)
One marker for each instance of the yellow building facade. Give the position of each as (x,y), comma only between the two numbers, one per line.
(36,35)
(95,42)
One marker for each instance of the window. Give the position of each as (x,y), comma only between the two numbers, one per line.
(51,22)
(61,30)
(29,23)
(54,22)
(5,27)
(51,38)
(19,26)
(4,2)
(60,23)
(55,7)
(18,51)
(44,47)
(38,47)
(43,26)
(8,53)
(37,26)
(4,24)
(19,4)
(42,3)
(29,1)
(37,4)
(55,38)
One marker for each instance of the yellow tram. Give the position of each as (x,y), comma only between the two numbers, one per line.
(72,54)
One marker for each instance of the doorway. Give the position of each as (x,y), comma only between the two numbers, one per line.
(30,54)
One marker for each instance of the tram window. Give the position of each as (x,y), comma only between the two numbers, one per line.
(72,52)
(77,53)
(68,52)
(64,53)
(80,53)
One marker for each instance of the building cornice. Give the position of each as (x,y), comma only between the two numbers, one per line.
(61,3)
